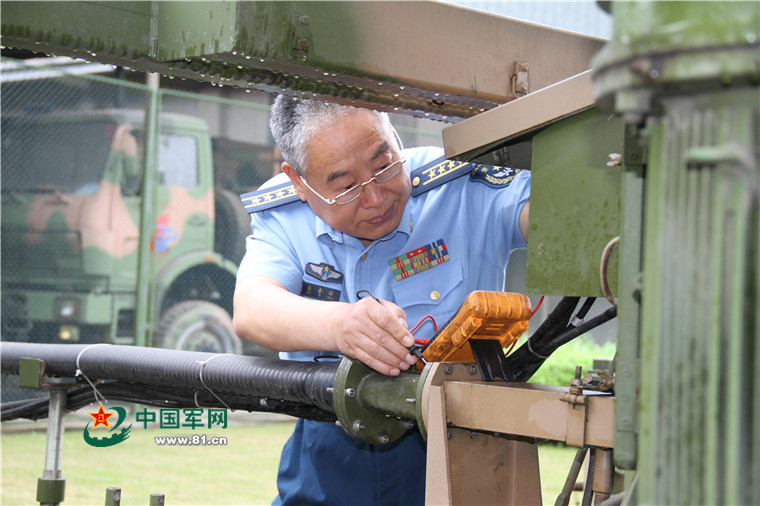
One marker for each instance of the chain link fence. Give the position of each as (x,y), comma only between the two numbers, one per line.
(92,164)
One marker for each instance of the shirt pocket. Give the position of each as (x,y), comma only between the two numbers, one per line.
(436,291)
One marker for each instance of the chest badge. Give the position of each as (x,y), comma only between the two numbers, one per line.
(324,272)
(419,259)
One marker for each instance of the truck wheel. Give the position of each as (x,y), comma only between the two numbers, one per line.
(197,325)
(233,225)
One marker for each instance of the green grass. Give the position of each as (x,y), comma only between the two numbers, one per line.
(242,472)
(559,368)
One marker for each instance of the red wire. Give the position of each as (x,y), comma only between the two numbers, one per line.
(538,306)
(510,348)
(435,326)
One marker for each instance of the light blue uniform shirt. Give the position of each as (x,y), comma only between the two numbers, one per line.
(477,223)
(472,227)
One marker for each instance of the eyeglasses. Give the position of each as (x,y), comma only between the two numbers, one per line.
(354,192)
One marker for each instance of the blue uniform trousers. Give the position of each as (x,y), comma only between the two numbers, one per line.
(321,464)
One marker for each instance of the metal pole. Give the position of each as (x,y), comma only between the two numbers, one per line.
(563,499)
(156,499)
(51,487)
(603,475)
(113,496)
(143,314)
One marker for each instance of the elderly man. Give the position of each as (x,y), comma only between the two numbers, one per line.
(365,216)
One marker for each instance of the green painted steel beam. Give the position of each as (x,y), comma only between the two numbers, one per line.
(424,58)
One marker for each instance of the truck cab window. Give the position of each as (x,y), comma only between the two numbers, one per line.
(177,160)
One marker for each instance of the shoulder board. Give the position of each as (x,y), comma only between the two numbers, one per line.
(268,198)
(436,173)
(442,171)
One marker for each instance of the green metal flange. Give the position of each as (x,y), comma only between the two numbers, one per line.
(372,407)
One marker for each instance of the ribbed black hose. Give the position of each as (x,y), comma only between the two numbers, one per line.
(300,382)
(76,398)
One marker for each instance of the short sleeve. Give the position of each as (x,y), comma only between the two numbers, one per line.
(269,252)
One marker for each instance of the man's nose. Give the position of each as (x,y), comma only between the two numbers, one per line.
(372,196)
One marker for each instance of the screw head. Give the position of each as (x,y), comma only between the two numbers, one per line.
(350,392)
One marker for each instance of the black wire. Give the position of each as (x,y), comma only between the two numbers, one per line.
(555,331)
(583,311)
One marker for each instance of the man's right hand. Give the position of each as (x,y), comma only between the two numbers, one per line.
(376,334)
(268,314)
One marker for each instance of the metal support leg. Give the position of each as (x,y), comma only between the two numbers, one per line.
(563,499)
(51,487)
(156,499)
(603,475)
(113,496)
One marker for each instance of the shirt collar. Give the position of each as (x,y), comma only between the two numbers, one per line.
(322,229)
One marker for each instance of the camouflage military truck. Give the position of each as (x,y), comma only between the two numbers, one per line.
(71,210)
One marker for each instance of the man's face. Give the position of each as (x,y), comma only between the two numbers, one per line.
(347,153)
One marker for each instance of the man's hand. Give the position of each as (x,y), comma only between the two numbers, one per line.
(268,314)
(376,334)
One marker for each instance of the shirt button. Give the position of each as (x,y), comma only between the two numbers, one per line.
(364,257)
(435,295)
(416,181)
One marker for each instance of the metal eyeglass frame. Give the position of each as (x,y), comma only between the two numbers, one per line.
(382,176)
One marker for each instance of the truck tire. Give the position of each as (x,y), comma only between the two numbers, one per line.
(197,325)
(232,226)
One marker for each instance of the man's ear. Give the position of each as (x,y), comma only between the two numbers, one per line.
(295,179)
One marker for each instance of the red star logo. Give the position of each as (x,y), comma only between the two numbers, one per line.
(101,417)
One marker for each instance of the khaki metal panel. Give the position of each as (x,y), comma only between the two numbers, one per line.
(531,411)
(428,58)
(487,131)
